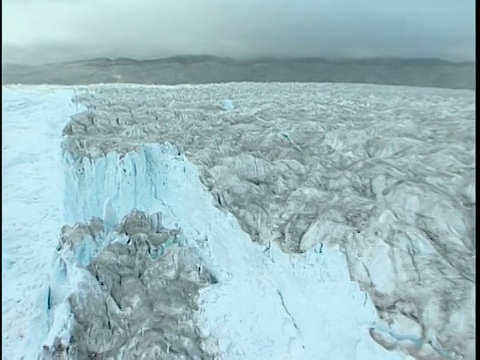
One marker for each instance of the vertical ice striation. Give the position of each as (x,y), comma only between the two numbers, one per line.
(111,186)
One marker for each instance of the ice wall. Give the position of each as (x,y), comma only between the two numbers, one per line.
(111,186)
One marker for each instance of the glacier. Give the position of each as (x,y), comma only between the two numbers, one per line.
(354,218)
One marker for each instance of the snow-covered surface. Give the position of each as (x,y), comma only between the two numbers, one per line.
(32,121)
(385,174)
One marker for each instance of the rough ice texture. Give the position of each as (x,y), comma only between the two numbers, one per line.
(266,305)
(134,294)
(386,173)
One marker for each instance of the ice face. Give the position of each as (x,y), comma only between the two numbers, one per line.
(386,173)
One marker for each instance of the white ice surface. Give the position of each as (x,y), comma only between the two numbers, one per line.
(32,121)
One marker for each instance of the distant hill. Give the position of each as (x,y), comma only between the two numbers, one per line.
(211,69)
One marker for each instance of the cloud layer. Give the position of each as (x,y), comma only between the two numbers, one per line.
(56,30)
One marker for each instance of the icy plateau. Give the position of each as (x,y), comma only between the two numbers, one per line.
(254,221)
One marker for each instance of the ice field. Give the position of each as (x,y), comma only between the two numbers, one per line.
(238,221)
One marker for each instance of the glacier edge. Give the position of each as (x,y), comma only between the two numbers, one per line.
(154,178)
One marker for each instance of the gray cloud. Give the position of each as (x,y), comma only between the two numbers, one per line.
(36,31)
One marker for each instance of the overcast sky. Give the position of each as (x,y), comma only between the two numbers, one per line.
(36,31)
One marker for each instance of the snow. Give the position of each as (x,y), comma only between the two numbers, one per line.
(32,121)
(268,303)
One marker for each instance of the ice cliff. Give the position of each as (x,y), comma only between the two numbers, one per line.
(370,183)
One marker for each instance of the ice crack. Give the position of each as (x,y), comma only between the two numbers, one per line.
(288,312)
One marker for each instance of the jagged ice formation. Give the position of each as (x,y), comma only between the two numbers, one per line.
(384,173)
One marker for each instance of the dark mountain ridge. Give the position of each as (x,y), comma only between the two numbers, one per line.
(212,69)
